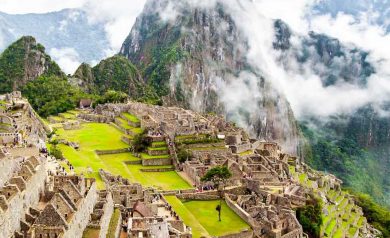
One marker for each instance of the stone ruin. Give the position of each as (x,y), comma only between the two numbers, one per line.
(63,210)
(144,212)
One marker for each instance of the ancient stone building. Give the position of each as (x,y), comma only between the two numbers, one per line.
(64,210)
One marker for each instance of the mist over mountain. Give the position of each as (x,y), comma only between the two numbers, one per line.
(315,79)
(68,35)
(231,59)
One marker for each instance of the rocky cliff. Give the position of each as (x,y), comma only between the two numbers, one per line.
(196,59)
(23,61)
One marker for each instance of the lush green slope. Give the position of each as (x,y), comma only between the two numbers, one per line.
(115,73)
(50,95)
(23,61)
(354,150)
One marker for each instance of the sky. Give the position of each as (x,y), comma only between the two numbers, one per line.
(117,16)
(304,91)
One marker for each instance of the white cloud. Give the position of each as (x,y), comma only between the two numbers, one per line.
(118,17)
(37,6)
(301,85)
(67,59)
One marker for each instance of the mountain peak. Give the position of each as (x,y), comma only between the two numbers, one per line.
(23,61)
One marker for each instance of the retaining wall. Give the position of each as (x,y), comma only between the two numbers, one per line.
(107,152)
(154,162)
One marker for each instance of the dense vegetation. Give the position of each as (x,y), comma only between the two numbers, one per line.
(310,218)
(50,95)
(358,167)
(376,214)
(158,72)
(119,74)
(111,96)
(22,59)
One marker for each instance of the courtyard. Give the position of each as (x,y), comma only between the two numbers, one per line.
(202,217)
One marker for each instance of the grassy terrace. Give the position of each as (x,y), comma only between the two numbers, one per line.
(208,148)
(159,144)
(158,148)
(91,137)
(123,123)
(99,136)
(131,117)
(67,115)
(202,217)
(330,227)
(170,180)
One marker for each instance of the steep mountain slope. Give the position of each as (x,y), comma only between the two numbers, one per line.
(114,73)
(57,30)
(198,59)
(355,146)
(24,61)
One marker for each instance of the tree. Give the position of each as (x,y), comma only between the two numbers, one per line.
(218,176)
(141,142)
(183,155)
(310,217)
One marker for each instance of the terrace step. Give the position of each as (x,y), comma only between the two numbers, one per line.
(131,119)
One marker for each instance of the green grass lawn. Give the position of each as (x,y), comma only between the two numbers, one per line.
(98,136)
(94,136)
(189,219)
(131,117)
(202,217)
(91,137)
(161,180)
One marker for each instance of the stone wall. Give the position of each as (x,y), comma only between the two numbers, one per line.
(19,203)
(242,234)
(105,220)
(95,118)
(154,162)
(106,152)
(157,152)
(7,166)
(240,212)
(81,217)
(197,196)
(158,170)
